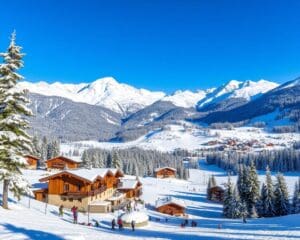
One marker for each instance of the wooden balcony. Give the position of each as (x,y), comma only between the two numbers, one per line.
(78,194)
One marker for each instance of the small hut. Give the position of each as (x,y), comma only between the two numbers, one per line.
(171,206)
(32,161)
(216,194)
(165,172)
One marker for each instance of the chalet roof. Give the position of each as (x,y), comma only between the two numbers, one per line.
(169,200)
(89,175)
(158,169)
(31,156)
(74,159)
(128,183)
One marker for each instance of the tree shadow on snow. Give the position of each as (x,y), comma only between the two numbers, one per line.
(32,234)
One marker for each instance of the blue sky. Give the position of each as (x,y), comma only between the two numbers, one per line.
(159,45)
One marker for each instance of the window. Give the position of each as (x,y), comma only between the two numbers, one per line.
(79,200)
(66,187)
(71,199)
(78,187)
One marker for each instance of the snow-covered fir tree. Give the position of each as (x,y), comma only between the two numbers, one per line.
(109,161)
(267,196)
(116,162)
(236,205)
(242,181)
(228,199)
(296,198)
(14,141)
(281,200)
(252,191)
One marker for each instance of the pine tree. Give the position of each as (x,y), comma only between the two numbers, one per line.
(267,196)
(109,161)
(282,205)
(55,148)
(236,205)
(252,191)
(242,181)
(86,160)
(116,163)
(14,141)
(296,198)
(228,199)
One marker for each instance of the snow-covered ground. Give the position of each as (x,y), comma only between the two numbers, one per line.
(41,221)
(186,136)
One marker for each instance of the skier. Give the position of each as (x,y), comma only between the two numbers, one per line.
(74,210)
(113,224)
(120,223)
(132,225)
(61,210)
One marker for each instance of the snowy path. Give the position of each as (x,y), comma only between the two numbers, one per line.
(23,223)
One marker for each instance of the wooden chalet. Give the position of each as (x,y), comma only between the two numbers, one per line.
(32,161)
(80,187)
(171,206)
(61,162)
(165,172)
(132,187)
(216,194)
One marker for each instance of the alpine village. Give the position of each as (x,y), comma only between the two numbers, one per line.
(106,160)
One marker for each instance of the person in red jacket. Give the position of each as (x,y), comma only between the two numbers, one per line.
(74,210)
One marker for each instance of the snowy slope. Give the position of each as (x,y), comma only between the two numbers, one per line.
(236,89)
(105,92)
(41,221)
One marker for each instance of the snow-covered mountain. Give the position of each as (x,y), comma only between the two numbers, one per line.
(187,98)
(247,90)
(105,92)
(125,99)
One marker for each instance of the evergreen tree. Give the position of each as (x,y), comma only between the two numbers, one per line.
(116,163)
(296,198)
(109,161)
(242,181)
(44,147)
(282,205)
(86,160)
(267,196)
(236,205)
(14,141)
(252,190)
(228,199)
(55,148)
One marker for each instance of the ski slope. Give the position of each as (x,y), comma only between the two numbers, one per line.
(41,222)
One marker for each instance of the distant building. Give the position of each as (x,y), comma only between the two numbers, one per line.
(216,194)
(171,206)
(165,172)
(32,161)
(61,162)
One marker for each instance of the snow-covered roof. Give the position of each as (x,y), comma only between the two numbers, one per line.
(87,174)
(158,169)
(128,183)
(138,217)
(169,200)
(73,159)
